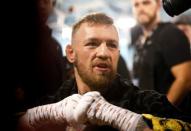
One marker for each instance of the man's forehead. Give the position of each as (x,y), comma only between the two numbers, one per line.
(92,27)
(100,31)
(142,0)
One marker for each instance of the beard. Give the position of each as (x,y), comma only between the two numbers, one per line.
(149,21)
(96,81)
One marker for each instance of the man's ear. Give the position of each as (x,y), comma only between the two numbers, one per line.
(70,54)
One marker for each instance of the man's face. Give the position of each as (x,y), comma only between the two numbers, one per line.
(145,11)
(96,49)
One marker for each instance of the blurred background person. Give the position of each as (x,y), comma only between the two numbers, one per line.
(38,66)
(162,58)
(51,65)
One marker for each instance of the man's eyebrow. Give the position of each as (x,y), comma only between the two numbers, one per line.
(113,41)
(99,40)
(92,40)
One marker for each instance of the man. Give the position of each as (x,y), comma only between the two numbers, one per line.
(50,63)
(162,59)
(95,52)
(38,65)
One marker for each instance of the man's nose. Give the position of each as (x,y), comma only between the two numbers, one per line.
(103,51)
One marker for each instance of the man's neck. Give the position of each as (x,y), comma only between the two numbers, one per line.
(82,87)
(147,30)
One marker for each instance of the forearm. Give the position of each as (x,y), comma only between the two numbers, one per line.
(41,118)
(23,123)
(54,115)
(178,91)
(119,118)
(182,83)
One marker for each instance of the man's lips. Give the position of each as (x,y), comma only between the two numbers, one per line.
(102,66)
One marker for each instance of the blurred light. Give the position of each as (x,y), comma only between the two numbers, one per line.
(63,37)
(66,32)
(125,22)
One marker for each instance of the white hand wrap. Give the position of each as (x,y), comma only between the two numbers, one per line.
(60,112)
(80,114)
(103,113)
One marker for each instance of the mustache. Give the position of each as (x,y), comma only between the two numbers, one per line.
(142,13)
(105,64)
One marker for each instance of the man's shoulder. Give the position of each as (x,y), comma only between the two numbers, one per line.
(167,27)
(167,33)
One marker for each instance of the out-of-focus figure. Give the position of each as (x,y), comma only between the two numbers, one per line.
(162,57)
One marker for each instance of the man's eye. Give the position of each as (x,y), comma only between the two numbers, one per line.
(136,5)
(146,2)
(92,44)
(112,45)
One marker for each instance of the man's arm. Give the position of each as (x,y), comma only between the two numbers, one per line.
(182,83)
(101,112)
(55,116)
(24,125)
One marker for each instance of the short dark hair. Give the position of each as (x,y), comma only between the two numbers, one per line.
(92,19)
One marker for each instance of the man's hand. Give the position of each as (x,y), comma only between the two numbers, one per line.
(80,113)
(96,110)
(59,113)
